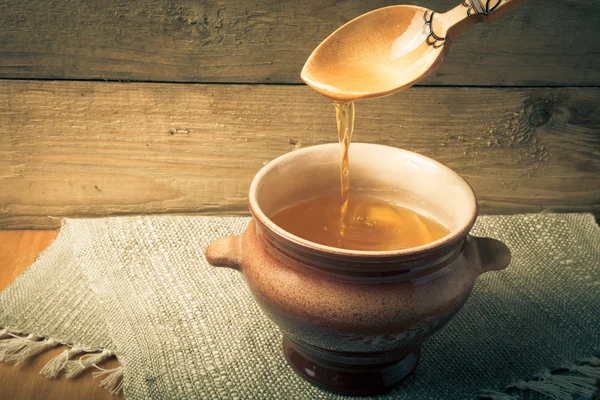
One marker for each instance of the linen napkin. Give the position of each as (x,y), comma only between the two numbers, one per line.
(140,288)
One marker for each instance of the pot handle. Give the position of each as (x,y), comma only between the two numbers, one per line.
(225,252)
(493,254)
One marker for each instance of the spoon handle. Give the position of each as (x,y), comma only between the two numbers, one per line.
(454,22)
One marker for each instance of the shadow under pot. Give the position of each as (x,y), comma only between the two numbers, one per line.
(354,321)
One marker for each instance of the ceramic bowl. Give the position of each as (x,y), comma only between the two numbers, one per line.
(354,321)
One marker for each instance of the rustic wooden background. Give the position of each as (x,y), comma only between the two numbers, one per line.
(154,106)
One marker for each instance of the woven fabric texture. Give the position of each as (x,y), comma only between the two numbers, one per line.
(140,286)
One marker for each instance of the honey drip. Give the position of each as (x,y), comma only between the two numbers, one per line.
(353,221)
(344,115)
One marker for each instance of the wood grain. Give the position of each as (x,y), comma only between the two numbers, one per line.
(97,149)
(18,250)
(545,42)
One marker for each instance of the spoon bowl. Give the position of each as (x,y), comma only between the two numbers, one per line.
(389,49)
(360,62)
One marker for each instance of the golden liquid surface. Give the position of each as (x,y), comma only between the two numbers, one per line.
(371,224)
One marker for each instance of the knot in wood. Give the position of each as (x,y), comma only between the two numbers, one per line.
(538,117)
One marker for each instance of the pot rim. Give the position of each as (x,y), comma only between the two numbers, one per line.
(453,237)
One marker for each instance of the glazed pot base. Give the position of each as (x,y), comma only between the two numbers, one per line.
(353,379)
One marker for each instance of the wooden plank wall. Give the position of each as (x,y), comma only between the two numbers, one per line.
(515,108)
(545,42)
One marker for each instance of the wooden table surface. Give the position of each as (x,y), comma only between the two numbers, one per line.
(18,250)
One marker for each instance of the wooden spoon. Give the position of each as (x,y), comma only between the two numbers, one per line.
(391,48)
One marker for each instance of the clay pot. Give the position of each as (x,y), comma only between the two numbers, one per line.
(354,321)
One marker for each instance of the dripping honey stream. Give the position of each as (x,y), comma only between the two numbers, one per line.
(352,220)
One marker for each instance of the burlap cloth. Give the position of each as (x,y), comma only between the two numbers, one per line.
(140,286)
